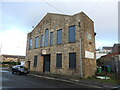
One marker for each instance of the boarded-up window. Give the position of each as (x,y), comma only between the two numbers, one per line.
(72,60)
(59,60)
(36,42)
(72,34)
(59,36)
(46,37)
(35,60)
(51,38)
(30,43)
(42,41)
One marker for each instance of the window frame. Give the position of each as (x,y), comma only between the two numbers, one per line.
(72,63)
(46,38)
(30,43)
(42,41)
(59,38)
(37,42)
(51,38)
(35,60)
(72,39)
(59,60)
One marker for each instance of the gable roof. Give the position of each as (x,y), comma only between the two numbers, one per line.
(51,15)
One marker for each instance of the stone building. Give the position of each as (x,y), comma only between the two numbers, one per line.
(116,48)
(11,58)
(62,44)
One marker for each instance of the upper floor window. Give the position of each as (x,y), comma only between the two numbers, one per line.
(46,37)
(36,42)
(72,33)
(51,38)
(59,36)
(42,41)
(30,43)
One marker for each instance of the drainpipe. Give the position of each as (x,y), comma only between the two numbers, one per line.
(81,66)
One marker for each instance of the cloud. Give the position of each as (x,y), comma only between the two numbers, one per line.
(101,43)
(24,15)
(13,42)
(56,0)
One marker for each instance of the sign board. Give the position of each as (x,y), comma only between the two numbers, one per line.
(89,36)
(43,52)
(89,54)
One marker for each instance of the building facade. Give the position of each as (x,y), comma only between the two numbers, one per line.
(62,44)
(102,52)
(112,59)
(12,58)
(116,48)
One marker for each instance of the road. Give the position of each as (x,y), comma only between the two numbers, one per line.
(10,80)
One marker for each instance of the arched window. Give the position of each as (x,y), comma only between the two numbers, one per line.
(46,37)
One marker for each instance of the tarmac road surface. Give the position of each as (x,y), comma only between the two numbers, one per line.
(10,80)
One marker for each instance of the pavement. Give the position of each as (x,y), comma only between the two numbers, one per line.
(93,83)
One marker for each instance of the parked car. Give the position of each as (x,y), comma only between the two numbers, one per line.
(19,69)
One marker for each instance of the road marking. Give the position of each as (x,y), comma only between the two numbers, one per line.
(64,80)
(3,71)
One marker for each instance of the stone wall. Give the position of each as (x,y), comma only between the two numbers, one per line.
(53,22)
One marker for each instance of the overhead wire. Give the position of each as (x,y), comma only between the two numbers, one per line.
(52,6)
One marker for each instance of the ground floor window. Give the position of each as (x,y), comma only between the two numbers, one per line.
(72,60)
(35,60)
(59,61)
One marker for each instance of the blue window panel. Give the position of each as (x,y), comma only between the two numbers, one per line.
(59,36)
(51,38)
(72,34)
(36,42)
(46,37)
(42,41)
(30,43)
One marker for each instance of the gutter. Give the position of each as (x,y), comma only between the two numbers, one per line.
(81,66)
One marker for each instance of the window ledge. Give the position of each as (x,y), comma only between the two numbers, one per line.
(36,48)
(35,66)
(58,67)
(72,68)
(72,42)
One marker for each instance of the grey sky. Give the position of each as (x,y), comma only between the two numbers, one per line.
(19,17)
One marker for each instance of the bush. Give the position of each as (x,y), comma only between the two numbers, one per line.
(11,63)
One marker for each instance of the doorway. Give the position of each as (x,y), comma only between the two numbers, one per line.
(28,64)
(46,67)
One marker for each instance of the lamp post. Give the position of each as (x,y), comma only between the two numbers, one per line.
(18,60)
(116,59)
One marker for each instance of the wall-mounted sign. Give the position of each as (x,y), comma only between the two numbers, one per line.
(89,36)
(89,54)
(43,52)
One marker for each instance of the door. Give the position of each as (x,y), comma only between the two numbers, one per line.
(46,63)
(28,64)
